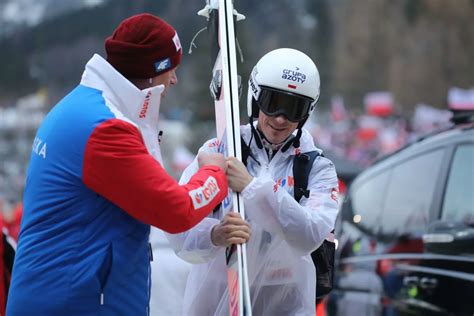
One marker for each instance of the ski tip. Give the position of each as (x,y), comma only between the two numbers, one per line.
(238,16)
(204,11)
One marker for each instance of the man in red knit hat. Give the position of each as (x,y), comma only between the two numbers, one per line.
(96,183)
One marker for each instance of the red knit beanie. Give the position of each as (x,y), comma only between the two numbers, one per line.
(143,46)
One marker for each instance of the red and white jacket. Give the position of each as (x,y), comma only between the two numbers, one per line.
(94,186)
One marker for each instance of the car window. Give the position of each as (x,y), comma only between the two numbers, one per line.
(367,198)
(459,197)
(410,193)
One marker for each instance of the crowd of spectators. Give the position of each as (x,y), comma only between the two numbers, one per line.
(365,137)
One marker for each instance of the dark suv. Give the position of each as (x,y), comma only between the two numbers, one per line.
(406,231)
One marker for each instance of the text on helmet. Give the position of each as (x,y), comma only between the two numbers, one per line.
(253,83)
(293,75)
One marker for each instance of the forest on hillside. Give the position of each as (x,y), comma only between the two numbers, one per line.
(416,49)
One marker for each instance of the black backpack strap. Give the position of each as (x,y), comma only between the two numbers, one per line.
(302,165)
(245,150)
(323,257)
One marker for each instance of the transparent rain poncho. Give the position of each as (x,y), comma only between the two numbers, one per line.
(282,276)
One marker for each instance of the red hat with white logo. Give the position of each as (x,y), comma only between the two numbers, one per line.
(143,46)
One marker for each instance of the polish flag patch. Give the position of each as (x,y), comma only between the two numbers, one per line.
(176,42)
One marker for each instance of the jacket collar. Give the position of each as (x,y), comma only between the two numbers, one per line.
(139,106)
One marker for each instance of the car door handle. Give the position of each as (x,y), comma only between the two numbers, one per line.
(411,281)
(428,283)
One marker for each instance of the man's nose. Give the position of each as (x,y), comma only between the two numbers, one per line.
(281,119)
(174,78)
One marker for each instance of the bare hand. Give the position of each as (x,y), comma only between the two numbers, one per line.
(231,230)
(237,174)
(215,159)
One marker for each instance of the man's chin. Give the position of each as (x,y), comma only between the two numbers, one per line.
(276,139)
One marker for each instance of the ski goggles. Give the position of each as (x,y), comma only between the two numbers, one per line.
(293,106)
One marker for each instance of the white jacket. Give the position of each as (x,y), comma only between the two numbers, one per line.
(284,233)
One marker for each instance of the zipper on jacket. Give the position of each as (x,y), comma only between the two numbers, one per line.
(149,290)
(150,256)
(150,252)
(101,298)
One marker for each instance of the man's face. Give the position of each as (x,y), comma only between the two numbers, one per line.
(167,79)
(275,128)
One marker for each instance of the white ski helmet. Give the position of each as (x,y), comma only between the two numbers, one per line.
(284,81)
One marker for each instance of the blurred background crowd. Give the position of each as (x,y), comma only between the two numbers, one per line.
(389,71)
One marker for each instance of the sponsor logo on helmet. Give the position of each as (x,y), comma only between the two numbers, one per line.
(254,84)
(145,105)
(203,195)
(294,75)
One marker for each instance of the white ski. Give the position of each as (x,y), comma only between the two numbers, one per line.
(224,88)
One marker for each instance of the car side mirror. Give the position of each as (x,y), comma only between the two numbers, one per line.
(449,237)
